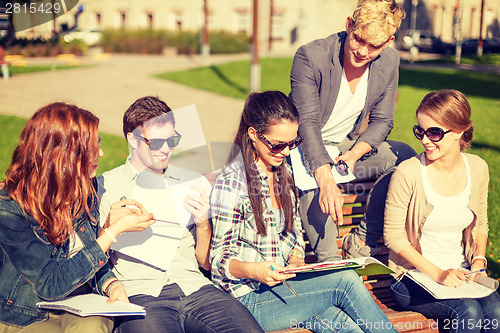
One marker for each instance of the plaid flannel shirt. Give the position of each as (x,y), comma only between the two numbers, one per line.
(235,232)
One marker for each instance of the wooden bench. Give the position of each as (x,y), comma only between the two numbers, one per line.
(379,285)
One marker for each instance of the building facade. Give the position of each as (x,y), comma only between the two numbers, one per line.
(283,25)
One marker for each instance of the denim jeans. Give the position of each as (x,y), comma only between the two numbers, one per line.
(453,315)
(206,310)
(320,228)
(328,302)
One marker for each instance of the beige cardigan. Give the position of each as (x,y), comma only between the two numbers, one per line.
(407,209)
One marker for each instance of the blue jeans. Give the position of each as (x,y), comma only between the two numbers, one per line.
(320,228)
(206,310)
(453,315)
(328,302)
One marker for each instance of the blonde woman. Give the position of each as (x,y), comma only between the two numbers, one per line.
(436,217)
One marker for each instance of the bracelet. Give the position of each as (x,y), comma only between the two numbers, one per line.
(110,235)
(483,258)
(108,288)
(296,253)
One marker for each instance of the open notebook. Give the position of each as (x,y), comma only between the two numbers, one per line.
(93,305)
(481,287)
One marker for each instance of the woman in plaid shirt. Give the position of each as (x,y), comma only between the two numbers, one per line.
(258,233)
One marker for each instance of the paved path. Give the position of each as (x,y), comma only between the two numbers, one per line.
(109,87)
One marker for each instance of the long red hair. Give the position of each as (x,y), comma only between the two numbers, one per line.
(49,175)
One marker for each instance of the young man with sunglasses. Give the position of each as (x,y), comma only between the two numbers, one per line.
(177,298)
(344,87)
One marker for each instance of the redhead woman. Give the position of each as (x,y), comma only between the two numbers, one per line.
(257,233)
(50,248)
(436,217)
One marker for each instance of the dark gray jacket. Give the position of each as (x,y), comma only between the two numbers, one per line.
(315,83)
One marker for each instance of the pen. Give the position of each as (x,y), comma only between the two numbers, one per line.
(474,272)
(158,220)
(286,284)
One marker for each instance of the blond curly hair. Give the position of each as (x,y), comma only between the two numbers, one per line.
(376,21)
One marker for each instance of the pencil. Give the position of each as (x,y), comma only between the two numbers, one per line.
(158,220)
(286,284)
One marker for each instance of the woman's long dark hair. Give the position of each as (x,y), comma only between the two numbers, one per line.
(49,175)
(262,110)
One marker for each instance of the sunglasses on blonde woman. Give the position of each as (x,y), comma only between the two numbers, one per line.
(276,148)
(434,134)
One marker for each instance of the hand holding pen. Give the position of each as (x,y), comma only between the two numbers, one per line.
(469,277)
(286,283)
(267,272)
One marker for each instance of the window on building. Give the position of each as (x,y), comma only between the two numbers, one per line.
(472,19)
(178,20)
(277,26)
(98,18)
(150,20)
(242,23)
(123,19)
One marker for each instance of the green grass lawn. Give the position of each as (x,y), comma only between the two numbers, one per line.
(231,79)
(16,70)
(481,89)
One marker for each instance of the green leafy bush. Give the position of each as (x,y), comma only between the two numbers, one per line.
(149,41)
(225,42)
(40,47)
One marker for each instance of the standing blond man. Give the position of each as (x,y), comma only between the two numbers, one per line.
(344,87)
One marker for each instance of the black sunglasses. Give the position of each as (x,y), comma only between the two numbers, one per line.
(341,167)
(276,148)
(434,134)
(156,144)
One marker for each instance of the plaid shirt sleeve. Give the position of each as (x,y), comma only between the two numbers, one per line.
(226,216)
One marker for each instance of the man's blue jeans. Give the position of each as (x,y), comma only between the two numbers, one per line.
(453,315)
(328,302)
(206,310)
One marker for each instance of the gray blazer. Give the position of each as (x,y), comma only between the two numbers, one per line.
(315,83)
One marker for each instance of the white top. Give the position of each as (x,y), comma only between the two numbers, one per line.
(441,240)
(347,109)
(137,276)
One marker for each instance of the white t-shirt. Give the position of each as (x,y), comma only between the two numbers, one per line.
(137,276)
(347,109)
(441,240)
